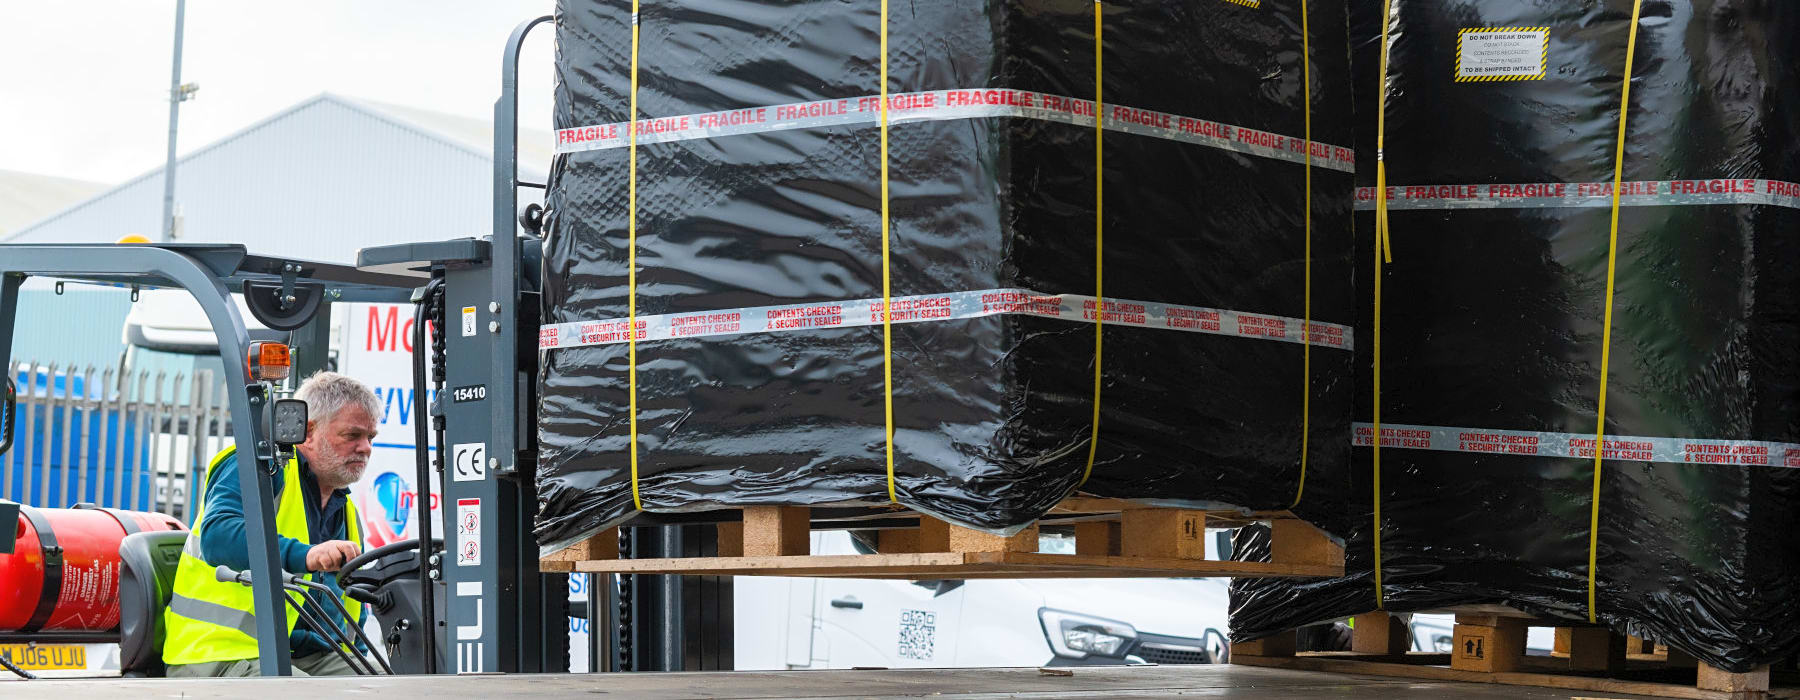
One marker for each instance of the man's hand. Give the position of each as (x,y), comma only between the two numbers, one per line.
(328,556)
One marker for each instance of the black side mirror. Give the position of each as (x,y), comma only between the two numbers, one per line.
(9,395)
(940,586)
(289,424)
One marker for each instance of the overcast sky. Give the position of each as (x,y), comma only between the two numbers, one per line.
(83,86)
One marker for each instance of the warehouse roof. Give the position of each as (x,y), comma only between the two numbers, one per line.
(27,197)
(314,152)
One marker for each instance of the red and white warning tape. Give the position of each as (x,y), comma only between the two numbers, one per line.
(1546,195)
(940,105)
(1580,445)
(943,307)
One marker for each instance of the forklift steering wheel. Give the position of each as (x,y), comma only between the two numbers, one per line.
(361,560)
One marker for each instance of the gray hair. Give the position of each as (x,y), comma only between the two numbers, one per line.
(325,393)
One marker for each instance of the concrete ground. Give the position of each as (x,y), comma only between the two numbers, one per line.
(1136,682)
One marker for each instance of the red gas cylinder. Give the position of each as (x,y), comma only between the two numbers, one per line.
(63,573)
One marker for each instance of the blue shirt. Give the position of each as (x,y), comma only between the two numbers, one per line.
(223,542)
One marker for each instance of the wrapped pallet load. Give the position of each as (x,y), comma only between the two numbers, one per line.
(768,201)
(1523,314)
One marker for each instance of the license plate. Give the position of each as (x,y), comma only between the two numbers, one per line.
(46,657)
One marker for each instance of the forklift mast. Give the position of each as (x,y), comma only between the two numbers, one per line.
(501,615)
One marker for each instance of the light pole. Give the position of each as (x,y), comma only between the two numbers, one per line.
(178,93)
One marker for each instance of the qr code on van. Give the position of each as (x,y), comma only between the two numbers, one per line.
(918,634)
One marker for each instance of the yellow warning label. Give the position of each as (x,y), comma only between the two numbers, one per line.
(1491,54)
(1246,3)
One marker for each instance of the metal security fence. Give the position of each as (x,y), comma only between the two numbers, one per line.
(114,437)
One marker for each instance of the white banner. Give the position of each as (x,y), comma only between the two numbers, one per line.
(377,350)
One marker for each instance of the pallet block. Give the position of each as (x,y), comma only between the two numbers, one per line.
(1737,684)
(1163,533)
(1280,644)
(775,531)
(1102,538)
(1487,643)
(604,545)
(1380,633)
(1113,539)
(962,539)
(1298,542)
(1490,649)
(1596,649)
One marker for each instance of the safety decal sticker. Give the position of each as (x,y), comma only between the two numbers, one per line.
(468,461)
(468,532)
(1490,54)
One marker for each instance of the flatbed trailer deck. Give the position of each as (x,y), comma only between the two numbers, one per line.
(1086,682)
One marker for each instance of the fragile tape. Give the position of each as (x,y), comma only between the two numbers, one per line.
(1749,453)
(942,307)
(941,105)
(1545,195)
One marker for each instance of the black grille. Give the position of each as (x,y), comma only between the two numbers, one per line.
(1158,649)
(1157,655)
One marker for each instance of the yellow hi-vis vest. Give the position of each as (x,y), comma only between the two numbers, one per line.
(209,620)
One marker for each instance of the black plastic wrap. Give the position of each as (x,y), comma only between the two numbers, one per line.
(1492,319)
(992,414)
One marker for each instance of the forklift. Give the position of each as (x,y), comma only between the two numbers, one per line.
(479,605)
(288,295)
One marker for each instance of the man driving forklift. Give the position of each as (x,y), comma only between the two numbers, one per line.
(210,620)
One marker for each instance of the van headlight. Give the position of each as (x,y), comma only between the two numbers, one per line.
(1078,636)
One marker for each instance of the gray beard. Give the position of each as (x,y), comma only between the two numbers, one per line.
(335,471)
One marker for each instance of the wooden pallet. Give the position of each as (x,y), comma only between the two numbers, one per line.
(1113,539)
(1489,647)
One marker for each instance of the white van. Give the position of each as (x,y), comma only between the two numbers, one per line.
(806,623)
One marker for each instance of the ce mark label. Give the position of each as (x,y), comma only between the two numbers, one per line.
(468,461)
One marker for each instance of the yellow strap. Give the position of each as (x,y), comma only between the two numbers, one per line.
(1384,245)
(1099,230)
(631,255)
(1612,257)
(887,301)
(1382,254)
(1306,323)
